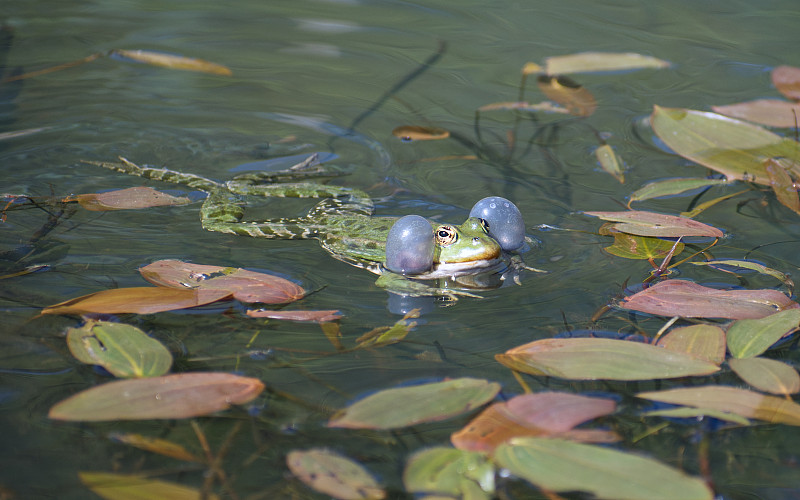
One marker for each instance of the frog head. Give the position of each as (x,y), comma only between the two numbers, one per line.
(464,249)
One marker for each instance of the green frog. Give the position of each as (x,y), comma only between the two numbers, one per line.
(406,253)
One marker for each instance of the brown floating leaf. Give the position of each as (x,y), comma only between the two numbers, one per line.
(600,61)
(782,184)
(531,67)
(416,133)
(155,445)
(742,402)
(246,286)
(172,61)
(770,112)
(182,395)
(333,474)
(137,300)
(314,316)
(544,413)
(644,223)
(131,198)
(702,341)
(113,486)
(787,80)
(690,300)
(768,375)
(571,95)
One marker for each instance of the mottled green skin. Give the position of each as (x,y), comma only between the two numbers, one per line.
(342,222)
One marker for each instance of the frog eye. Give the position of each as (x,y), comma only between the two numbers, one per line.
(503,219)
(446,235)
(409,246)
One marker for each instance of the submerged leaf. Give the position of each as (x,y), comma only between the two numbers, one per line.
(644,223)
(697,413)
(599,358)
(629,246)
(787,80)
(314,316)
(389,335)
(558,465)
(742,402)
(136,487)
(751,337)
(585,62)
(747,264)
(450,472)
(393,408)
(571,95)
(731,147)
(172,61)
(418,133)
(671,187)
(690,300)
(608,160)
(123,350)
(768,375)
(155,445)
(545,106)
(137,300)
(131,198)
(246,286)
(333,474)
(702,341)
(182,395)
(769,112)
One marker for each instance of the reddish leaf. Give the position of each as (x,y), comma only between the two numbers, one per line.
(787,80)
(172,396)
(315,316)
(131,198)
(770,112)
(644,223)
(544,413)
(137,300)
(246,286)
(690,300)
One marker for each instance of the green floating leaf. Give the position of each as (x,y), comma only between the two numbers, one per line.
(131,198)
(671,187)
(690,300)
(600,61)
(748,264)
(597,358)
(731,147)
(769,112)
(608,160)
(451,472)
(751,337)
(393,408)
(123,350)
(702,341)
(767,375)
(135,487)
(644,223)
(182,395)
(782,184)
(334,475)
(629,246)
(742,402)
(685,412)
(558,465)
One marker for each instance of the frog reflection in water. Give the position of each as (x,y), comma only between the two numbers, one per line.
(405,252)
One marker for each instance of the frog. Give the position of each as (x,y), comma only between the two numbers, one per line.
(411,255)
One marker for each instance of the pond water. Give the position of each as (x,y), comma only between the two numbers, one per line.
(310,76)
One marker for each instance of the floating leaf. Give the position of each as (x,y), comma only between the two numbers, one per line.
(545,106)
(751,337)
(417,133)
(731,147)
(769,112)
(450,472)
(598,358)
(123,350)
(113,486)
(156,445)
(172,61)
(690,300)
(787,80)
(767,375)
(137,300)
(782,184)
(131,198)
(629,246)
(571,95)
(246,286)
(747,264)
(585,62)
(558,465)
(393,408)
(608,160)
(643,223)
(698,413)
(702,341)
(334,475)
(671,187)
(314,316)
(543,413)
(742,402)
(182,395)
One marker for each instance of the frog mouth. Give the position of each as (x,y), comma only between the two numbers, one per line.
(452,269)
